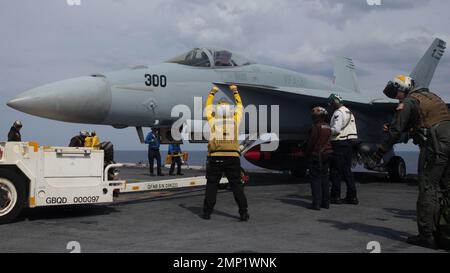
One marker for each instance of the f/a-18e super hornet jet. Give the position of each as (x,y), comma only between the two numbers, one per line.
(143,96)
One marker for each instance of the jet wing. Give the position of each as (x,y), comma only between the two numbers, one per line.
(317,95)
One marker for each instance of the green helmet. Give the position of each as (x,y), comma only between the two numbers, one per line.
(335,98)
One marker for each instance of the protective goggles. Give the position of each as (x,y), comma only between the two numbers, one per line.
(391,90)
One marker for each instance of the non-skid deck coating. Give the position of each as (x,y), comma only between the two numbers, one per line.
(280,221)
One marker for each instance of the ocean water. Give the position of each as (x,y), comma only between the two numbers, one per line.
(198,158)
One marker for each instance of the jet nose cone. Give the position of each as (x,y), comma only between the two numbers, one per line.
(23,102)
(81,100)
(15,103)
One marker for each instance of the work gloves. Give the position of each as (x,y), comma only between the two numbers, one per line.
(375,158)
(214,90)
(233,89)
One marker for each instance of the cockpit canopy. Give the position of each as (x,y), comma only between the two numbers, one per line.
(210,57)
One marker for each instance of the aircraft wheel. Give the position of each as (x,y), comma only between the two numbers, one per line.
(397,169)
(12,196)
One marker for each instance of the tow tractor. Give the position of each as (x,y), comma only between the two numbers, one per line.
(34,176)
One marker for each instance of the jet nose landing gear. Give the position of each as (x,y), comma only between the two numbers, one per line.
(393,164)
(396,168)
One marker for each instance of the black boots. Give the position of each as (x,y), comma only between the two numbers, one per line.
(244,216)
(206,215)
(336,201)
(339,201)
(351,201)
(314,207)
(423,241)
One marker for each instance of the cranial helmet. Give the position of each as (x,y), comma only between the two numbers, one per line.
(83,133)
(319,112)
(400,83)
(17,124)
(224,109)
(335,98)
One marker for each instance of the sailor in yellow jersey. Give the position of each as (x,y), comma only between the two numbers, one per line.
(224,152)
(92,141)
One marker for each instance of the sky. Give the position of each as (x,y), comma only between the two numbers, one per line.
(49,40)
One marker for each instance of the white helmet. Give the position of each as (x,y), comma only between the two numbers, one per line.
(17,124)
(400,83)
(83,133)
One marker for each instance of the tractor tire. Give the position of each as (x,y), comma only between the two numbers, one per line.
(13,196)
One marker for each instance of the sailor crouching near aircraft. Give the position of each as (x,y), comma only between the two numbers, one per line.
(426,117)
(343,132)
(224,152)
(14,132)
(318,150)
(78,140)
(92,141)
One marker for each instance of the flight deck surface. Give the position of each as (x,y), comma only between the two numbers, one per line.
(169,221)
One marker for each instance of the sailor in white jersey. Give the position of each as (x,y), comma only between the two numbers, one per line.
(343,132)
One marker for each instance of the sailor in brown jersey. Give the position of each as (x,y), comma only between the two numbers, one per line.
(318,149)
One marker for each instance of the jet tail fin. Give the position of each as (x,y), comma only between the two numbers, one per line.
(344,74)
(424,71)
